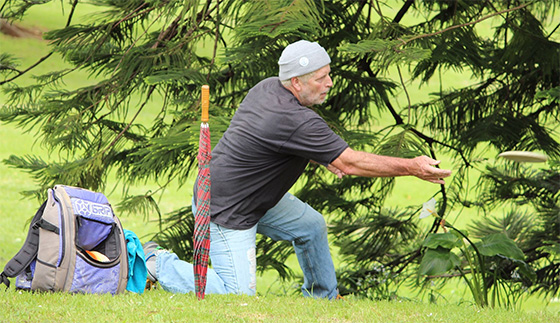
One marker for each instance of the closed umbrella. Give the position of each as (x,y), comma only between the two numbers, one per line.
(201,234)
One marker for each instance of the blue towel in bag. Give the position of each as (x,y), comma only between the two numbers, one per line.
(137,271)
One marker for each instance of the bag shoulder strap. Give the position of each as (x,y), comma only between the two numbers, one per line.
(28,251)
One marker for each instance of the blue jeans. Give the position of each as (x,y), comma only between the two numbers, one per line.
(233,254)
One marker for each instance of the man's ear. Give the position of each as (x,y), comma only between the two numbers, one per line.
(296,83)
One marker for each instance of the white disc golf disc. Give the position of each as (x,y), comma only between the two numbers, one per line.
(524,156)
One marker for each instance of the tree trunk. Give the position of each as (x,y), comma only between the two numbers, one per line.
(13,30)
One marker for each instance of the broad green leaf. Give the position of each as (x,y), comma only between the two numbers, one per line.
(499,244)
(438,261)
(446,240)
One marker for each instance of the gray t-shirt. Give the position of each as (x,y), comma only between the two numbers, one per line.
(268,144)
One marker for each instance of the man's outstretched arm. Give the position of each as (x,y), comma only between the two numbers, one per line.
(359,163)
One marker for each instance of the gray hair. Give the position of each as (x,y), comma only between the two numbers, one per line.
(304,78)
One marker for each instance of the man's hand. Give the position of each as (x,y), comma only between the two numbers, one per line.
(335,171)
(423,168)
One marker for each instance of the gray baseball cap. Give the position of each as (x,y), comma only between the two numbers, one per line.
(300,58)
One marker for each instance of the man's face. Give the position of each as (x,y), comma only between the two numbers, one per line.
(314,90)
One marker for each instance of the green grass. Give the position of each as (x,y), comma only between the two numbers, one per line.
(273,304)
(160,306)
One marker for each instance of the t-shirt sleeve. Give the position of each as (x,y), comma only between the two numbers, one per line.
(314,140)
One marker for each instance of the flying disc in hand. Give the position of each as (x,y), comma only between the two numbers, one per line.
(524,156)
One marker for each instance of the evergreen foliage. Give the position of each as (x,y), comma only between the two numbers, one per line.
(159,53)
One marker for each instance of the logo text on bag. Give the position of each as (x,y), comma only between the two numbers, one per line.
(88,208)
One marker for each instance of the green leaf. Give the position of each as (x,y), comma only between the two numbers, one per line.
(553,95)
(499,244)
(446,240)
(438,261)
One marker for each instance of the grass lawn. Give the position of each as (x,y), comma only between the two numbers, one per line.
(160,306)
(275,303)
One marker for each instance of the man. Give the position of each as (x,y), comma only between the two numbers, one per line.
(271,139)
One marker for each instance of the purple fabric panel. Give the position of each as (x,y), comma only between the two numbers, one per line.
(86,195)
(93,280)
(95,222)
(91,233)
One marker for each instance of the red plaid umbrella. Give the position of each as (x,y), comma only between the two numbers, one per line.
(201,234)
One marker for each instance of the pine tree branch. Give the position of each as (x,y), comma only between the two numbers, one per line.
(119,136)
(131,15)
(9,68)
(199,19)
(282,19)
(404,42)
(402,11)
(273,25)
(405,92)
(216,40)
(137,39)
(68,22)
(44,58)
(358,12)
(377,9)
(167,33)
(396,116)
(553,31)
(429,140)
(100,43)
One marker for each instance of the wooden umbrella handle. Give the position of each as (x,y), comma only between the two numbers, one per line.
(205,98)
